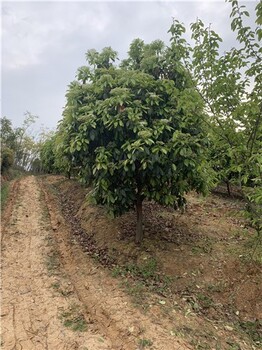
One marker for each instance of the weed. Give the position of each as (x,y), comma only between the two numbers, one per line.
(49,240)
(216,287)
(233,345)
(204,300)
(74,319)
(203,346)
(254,245)
(177,333)
(145,271)
(117,271)
(143,343)
(55,285)
(4,194)
(136,290)
(146,274)
(199,345)
(53,262)
(253,329)
(59,289)
(202,249)
(148,270)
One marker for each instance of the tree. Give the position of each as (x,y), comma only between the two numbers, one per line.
(47,155)
(136,131)
(7,159)
(19,141)
(230,86)
(8,135)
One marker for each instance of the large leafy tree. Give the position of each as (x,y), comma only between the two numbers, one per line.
(136,131)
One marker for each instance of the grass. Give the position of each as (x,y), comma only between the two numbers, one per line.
(139,279)
(217,287)
(4,194)
(254,248)
(74,319)
(11,174)
(143,343)
(63,291)
(53,262)
(253,329)
(204,300)
(137,292)
(146,273)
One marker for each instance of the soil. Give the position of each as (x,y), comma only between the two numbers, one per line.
(73,278)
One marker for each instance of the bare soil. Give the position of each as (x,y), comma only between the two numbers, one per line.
(57,291)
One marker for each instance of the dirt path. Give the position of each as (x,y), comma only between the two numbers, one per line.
(56,297)
(31,308)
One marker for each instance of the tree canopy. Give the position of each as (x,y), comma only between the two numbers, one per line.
(136,130)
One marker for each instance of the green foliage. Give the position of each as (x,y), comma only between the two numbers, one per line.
(8,135)
(143,343)
(19,140)
(7,159)
(4,194)
(135,131)
(47,156)
(254,205)
(74,319)
(230,85)
(253,329)
(52,156)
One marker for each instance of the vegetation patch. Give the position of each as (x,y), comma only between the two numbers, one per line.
(253,329)
(74,319)
(53,261)
(144,343)
(4,193)
(144,275)
(63,290)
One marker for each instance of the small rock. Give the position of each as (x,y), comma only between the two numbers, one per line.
(131,329)
(229,328)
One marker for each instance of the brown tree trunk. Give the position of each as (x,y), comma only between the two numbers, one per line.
(139,216)
(228,188)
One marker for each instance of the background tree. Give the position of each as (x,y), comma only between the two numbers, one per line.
(19,141)
(7,144)
(230,84)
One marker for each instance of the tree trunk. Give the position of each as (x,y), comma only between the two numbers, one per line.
(139,216)
(228,188)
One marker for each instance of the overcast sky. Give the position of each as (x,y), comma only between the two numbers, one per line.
(43,43)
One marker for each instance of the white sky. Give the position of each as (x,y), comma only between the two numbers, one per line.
(43,43)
